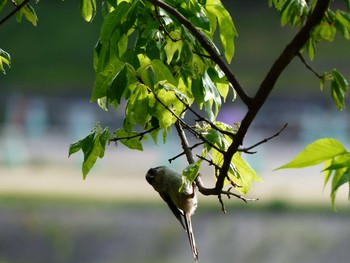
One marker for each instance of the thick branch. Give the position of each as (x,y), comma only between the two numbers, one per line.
(214,55)
(14,11)
(291,50)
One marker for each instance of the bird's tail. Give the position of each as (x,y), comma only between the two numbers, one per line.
(191,236)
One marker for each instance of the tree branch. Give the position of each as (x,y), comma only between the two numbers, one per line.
(179,155)
(246,150)
(199,183)
(214,55)
(290,51)
(140,134)
(14,11)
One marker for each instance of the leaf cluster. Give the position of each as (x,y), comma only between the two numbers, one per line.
(295,13)
(153,62)
(335,159)
(22,8)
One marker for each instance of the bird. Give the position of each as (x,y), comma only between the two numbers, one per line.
(181,199)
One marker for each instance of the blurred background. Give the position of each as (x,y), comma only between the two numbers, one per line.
(48,213)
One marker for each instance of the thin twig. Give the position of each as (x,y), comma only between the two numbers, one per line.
(210,162)
(163,27)
(308,66)
(14,11)
(247,150)
(179,155)
(223,208)
(140,134)
(228,193)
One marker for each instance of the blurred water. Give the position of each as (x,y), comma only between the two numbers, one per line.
(99,233)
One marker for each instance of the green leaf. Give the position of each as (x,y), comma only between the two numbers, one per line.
(324,32)
(4,59)
(104,79)
(28,12)
(162,72)
(293,12)
(342,23)
(118,85)
(173,44)
(93,147)
(211,94)
(169,104)
(339,89)
(137,109)
(191,171)
(216,138)
(311,48)
(112,21)
(240,172)
(2,4)
(246,174)
(227,29)
(88,9)
(277,3)
(315,153)
(339,181)
(340,178)
(132,140)
(333,165)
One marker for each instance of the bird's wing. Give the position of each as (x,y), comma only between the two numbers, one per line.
(176,211)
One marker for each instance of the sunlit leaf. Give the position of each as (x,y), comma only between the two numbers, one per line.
(191,171)
(162,72)
(227,29)
(88,9)
(29,13)
(247,174)
(137,109)
(316,152)
(240,172)
(173,44)
(4,59)
(130,140)
(92,146)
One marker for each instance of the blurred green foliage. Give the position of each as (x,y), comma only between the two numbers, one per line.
(53,57)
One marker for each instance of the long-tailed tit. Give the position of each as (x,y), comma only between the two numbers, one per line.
(167,183)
